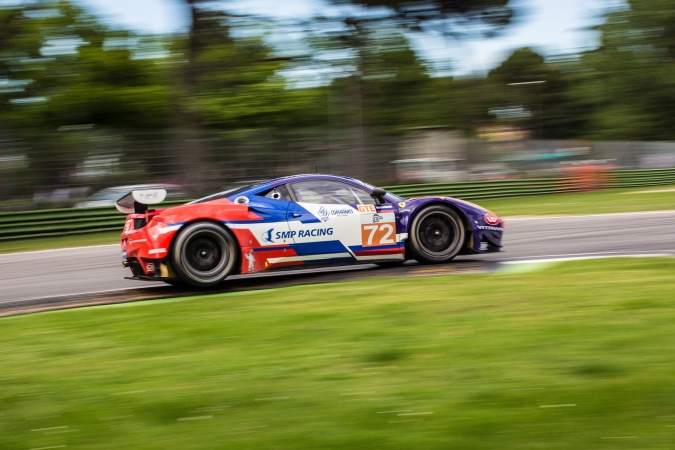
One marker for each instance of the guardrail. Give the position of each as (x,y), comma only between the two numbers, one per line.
(62,222)
(643,177)
(488,189)
(71,221)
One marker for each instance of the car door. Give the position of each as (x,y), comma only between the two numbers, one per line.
(269,240)
(333,221)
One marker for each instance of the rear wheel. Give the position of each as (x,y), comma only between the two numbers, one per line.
(204,254)
(436,235)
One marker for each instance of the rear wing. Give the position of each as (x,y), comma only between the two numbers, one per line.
(137,201)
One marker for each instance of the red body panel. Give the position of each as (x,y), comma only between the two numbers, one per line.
(153,241)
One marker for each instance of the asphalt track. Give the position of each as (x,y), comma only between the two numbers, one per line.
(54,279)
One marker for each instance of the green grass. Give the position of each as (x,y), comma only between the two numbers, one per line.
(611,201)
(60,242)
(650,198)
(577,355)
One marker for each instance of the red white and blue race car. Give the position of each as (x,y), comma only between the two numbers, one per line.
(296,221)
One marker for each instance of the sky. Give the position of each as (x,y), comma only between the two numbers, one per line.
(550,27)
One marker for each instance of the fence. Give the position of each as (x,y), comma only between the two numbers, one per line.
(57,170)
(70,221)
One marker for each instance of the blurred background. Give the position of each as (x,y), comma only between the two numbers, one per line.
(198,95)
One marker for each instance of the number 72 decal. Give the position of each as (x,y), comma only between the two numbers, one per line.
(378,234)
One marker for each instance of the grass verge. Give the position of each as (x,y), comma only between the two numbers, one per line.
(60,242)
(655,198)
(576,355)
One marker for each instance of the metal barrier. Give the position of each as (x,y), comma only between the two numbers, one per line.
(62,222)
(71,221)
(643,177)
(488,189)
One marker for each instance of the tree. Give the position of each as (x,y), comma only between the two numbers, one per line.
(523,78)
(66,71)
(627,85)
(449,16)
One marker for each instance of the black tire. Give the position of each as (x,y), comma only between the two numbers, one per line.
(390,264)
(436,235)
(203,254)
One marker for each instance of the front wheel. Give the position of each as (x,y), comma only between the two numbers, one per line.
(204,254)
(436,235)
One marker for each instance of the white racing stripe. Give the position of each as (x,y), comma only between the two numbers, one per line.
(585,256)
(309,257)
(587,216)
(142,285)
(380,257)
(65,249)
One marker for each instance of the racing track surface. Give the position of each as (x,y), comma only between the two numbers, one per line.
(55,279)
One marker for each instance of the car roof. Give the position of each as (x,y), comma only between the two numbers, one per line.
(274,182)
(309,176)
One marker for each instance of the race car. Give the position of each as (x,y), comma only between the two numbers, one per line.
(296,221)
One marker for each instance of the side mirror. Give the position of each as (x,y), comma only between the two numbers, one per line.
(378,195)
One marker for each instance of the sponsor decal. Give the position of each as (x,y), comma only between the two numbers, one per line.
(341,212)
(401,205)
(483,246)
(491,219)
(377,218)
(154,251)
(378,234)
(486,228)
(267,236)
(323,213)
(316,232)
(149,267)
(251,260)
(147,195)
(367,209)
(241,200)
(137,241)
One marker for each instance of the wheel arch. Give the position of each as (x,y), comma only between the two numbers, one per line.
(468,231)
(237,245)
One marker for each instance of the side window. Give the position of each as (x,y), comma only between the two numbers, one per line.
(279,193)
(335,192)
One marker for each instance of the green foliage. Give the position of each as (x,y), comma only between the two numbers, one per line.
(627,84)
(388,86)
(226,82)
(62,69)
(541,90)
(416,14)
(66,72)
